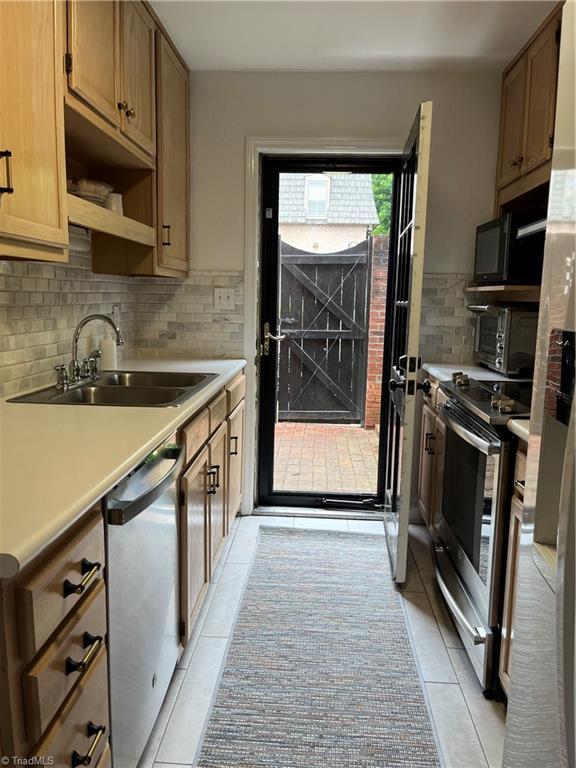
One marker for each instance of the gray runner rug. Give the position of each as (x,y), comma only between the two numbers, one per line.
(320,671)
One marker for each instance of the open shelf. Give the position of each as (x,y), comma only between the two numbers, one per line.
(511,292)
(98,219)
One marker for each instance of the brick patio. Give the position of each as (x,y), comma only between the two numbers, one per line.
(336,458)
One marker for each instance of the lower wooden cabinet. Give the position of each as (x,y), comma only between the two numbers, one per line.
(426,474)
(194,539)
(217,492)
(510,593)
(235,461)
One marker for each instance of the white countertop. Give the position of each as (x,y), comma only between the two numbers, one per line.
(56,461)
(443,371)
(520,428)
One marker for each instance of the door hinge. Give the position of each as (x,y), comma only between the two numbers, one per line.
(551,141)
(68,62)
(269,213)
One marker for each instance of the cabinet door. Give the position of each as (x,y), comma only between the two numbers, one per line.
(93,48)
(235,460)
(510,593)
(172,117)
(511,123)
(217,491)
(32,129)
(137,75)
(541,74)
(193,539)
(438,484)
(426,474)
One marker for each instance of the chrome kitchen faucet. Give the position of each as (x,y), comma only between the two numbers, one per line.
(88,369)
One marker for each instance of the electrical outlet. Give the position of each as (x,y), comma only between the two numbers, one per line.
(224,298)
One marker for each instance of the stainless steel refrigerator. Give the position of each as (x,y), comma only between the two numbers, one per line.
(540,722)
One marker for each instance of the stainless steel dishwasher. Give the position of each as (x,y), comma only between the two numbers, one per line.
(141,516)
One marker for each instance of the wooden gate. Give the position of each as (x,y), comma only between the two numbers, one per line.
(323,312)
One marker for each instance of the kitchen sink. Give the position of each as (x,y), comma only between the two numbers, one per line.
(153,379)
(160,389)
(134,396)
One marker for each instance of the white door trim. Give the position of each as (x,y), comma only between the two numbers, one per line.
(255,148)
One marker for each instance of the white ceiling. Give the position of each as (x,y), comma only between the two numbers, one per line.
(326,35)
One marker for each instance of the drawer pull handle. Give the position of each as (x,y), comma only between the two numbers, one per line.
(166,227)
(96,731)
(520,484)
(211,474)
(89,570)
(216,469)
(235,451)
(92,643)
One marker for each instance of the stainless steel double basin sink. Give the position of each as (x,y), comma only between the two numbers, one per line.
(160,389)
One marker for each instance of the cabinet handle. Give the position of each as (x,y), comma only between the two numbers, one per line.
(131,112)
(8,189)
(96,731)
(235,451)
(89,570)
(211,473)
(92,643)
(427,437)
(431,445)
(216,469)
(122,106)
(516,161)
(167,228)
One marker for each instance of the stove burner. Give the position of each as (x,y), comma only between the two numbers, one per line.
(503,404)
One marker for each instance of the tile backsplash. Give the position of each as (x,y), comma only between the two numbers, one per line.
(447,327)
(41,304)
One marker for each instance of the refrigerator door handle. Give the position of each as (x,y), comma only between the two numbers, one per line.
(566,595)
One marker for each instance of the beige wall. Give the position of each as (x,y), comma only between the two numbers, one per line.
(229,106)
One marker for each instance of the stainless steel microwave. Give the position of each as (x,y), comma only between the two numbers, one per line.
(505,338)
(509,250)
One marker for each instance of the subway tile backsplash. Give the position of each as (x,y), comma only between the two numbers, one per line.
(41,304)
(447,327)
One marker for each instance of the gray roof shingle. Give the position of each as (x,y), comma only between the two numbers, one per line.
(351,200)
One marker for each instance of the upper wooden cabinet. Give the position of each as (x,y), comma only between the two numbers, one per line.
(110,63)
(93,59)
(33,219)
(138,76)
(173,158)
(528,105)
(512,123)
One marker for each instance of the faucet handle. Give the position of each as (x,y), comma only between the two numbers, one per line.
(90,365)
(63,381)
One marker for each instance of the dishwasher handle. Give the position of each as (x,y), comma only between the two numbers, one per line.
(122,514)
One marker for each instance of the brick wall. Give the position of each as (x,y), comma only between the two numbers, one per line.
(376,324)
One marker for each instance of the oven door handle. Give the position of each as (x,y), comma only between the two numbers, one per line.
(484,446)
(476,634)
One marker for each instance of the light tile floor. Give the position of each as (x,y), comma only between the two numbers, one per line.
(333,458)
(470,729)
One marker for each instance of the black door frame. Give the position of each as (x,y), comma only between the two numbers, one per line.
(270,168)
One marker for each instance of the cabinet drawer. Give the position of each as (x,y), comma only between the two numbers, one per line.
(73,730)
(48,595)
(217,410)
(196,434)
(235,392)
(106,759)
(55,672)
(520,474)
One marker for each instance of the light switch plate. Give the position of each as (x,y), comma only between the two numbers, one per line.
(224,298)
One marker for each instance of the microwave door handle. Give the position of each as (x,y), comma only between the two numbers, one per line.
(479,308)
(565,587)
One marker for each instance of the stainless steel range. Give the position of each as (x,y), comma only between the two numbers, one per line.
(472,525)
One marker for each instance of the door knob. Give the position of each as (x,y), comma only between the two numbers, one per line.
(131,112)
(122,106)
(269,336)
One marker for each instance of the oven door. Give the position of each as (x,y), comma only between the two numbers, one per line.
(471,526)
(489,336)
